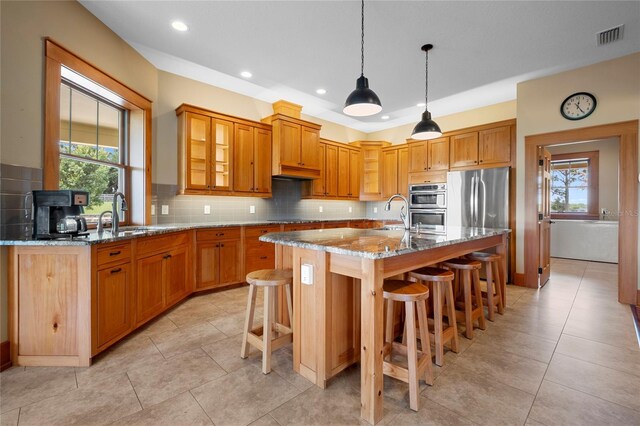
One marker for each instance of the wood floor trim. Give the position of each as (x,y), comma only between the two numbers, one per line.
(5,355)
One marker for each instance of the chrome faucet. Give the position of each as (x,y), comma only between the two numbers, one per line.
(115,222)
(403,210)
(100,224)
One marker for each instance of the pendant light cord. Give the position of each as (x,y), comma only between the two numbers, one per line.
(426,78)
(362,44)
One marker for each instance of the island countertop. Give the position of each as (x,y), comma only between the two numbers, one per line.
(377,243)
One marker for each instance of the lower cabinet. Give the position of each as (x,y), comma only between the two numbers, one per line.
(114,303)
(257,254)
(219,258)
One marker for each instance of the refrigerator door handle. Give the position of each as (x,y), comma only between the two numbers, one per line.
(472,199)
(484,203)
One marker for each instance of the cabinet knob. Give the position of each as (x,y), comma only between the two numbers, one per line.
(115,271)
(115,253)
(221,245)
(263,257)
(481,161)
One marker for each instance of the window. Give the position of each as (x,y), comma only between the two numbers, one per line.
(97,136)
(574,185)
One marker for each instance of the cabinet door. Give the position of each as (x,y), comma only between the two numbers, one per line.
(243,158)
(438,154)
(354,174)
(222,154)
(370,185)
(319,185)
(331,172)
(464,150)
(343,172)
(177,282)
(390,172)
(114,298)
(417,157)
(150,292)
(207,265)
(289,144)
(230,269)
(310,139)
(262,160)
(494,146)
(198,140)
(258,255)
(403,171)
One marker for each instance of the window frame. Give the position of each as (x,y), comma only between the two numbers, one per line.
(592,185)
(56,57)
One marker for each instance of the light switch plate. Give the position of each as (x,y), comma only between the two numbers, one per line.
(320,209)
(375,210)
(252,209)
(165,209)
(153,209)
(306,274)
(350,209)
(207,209)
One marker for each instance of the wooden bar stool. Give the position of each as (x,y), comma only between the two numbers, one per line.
(467,273)
(419,362)
(440,283)
(271,335)
(494,295)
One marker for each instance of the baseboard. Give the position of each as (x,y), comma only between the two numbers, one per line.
(638,298)
(5,355)
(519,280)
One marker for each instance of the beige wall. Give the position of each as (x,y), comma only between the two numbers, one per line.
(447,123)
(608,156)
(615,84)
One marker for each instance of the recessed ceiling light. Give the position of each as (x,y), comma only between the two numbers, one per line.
(321,91)
(385,117)
(179,26)
(246,74)
(421,104)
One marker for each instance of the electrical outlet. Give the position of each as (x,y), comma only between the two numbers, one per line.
(350,209)
(153,209)
(207,209)
(252,209)
(320,209)
(306,274)
(165,209)
(375,210)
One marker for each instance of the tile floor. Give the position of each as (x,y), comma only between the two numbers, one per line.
(567,354)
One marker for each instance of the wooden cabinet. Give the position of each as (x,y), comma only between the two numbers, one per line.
(348,173)
(331,171)
(114,302)
(222,155)
(257,254)
(464,150)
(219,258)
(438,154)
(395,163)
(494,146)
(371,169)
(428,161)
(252,160)
(418,154)
(149,288)
(489,146)
(295,147)
(339,173)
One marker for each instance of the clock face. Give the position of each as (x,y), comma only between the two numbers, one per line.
(578,106)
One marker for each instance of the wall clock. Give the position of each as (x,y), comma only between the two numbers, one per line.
(578,106)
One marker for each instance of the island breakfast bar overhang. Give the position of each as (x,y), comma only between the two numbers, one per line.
(326,341)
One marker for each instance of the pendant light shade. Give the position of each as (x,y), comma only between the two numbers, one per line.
(426,128)
(363,101)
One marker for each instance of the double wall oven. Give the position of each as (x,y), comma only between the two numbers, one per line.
(428,205)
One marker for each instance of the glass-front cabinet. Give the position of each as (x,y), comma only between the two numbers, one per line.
(222,136)
(198,151)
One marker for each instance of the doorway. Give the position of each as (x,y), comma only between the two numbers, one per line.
(627,134)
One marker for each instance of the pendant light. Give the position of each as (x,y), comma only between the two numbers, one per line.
(427,128)
(362,101)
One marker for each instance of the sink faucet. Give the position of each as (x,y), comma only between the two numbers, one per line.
(100,224)
(115,227)
(403,210)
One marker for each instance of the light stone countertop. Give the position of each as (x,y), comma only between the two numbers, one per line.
(377,243)
(129,232)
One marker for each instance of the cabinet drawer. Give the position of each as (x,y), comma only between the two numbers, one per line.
(161,242)
(332,225)
(428,177)
(256,231)
(114,253)
(218,234)
(302,226)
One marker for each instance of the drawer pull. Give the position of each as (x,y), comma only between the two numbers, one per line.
(264,231)
(263,257)
(168,256)
(221,245)
(115,271)
(115,253)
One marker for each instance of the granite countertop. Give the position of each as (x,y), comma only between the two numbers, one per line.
(377,243)
(129,232)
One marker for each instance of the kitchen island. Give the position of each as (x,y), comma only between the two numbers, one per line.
(338,276)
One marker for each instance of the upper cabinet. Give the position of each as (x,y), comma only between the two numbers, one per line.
(339,172)
(428,160)
(295,147)
(484,146)
(222,155)
(395,167)
(371,169)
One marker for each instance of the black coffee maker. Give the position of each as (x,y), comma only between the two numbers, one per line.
(57,214)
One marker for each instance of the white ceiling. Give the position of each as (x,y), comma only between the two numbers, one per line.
(482,48)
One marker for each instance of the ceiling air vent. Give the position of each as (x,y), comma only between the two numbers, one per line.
(610,35)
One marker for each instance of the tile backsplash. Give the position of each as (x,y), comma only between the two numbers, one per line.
(15,183)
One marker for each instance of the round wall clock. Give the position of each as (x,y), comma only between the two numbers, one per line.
(578,106)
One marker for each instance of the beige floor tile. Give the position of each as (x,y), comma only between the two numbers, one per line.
(536,312)
(10,418)
(182,340)
(282,365)
(226,353)
(195,314)
(517,343)
(504,367)
(604,327)
(159,382)
(557,404)
(621,359)
(233,323)
(25,386)
(129,354)
(606,383)
(478,398)
(98,404)
(265,420)
(531,422)
(157,326)
(179,410)
(527,325)
(430,413)
(243,396)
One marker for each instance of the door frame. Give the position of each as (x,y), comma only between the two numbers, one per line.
(627,134)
